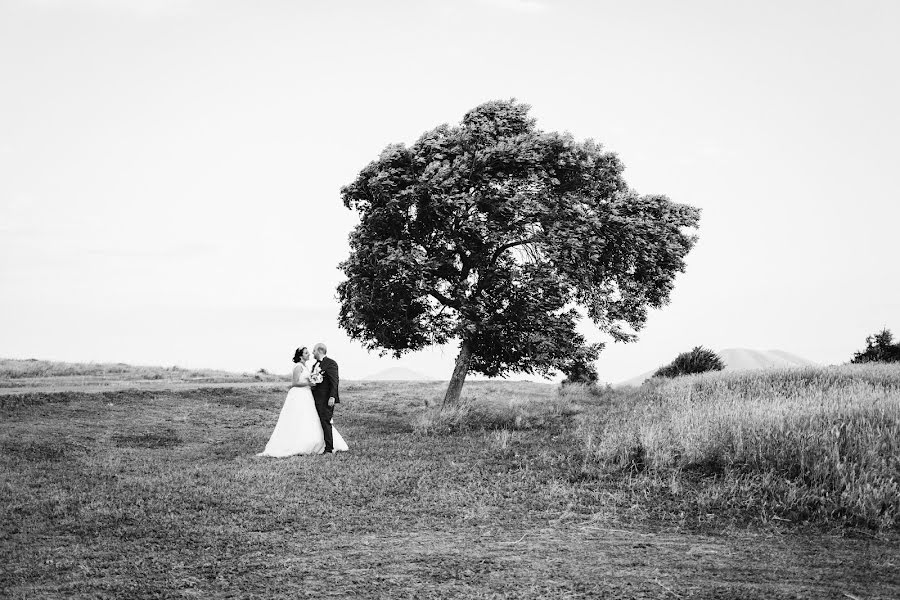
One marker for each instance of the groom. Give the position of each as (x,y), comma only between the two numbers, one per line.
(326,393)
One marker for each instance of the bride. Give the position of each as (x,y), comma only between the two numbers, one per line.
(298,430)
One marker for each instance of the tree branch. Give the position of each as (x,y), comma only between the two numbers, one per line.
(444,299)
(466,263)
(506,247)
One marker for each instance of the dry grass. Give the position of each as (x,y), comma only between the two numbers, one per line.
(158,494)
(498,406)
(15,371)
(803,444)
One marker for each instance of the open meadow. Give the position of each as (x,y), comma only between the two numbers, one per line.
(700,487)
(32,375)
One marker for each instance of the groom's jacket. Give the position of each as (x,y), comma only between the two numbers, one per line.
(330,381)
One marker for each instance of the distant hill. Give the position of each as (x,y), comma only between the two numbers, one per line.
(737,359)
(12,368)
(398,374)
(744,358)
(30,372)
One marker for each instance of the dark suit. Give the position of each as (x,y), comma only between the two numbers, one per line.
(322,392)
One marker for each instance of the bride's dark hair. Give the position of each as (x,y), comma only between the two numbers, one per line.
(298,354)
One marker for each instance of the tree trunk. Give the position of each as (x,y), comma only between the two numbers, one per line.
(459,374)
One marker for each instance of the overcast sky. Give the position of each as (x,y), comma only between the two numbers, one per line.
(170,169)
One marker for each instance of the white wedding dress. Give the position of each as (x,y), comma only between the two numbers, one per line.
(298,430)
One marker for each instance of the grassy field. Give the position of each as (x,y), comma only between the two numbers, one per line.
(33,372)
(159,494)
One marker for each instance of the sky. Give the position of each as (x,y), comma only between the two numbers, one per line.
(170,170)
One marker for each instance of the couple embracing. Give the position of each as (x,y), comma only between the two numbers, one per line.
(304,425)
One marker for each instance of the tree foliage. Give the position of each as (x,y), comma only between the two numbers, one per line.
(492,232)
(879,348)
(698,360)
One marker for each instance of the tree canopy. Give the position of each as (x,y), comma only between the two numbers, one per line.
(492,233)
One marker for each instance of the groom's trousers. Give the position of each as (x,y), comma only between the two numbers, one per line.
(325,414)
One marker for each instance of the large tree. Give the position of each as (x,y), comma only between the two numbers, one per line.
(492,233)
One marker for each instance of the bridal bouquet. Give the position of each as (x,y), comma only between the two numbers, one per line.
(316,378)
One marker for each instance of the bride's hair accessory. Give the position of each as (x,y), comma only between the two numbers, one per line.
(298,354)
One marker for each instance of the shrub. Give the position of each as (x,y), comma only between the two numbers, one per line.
(879,348)
(580,368)
(698,360)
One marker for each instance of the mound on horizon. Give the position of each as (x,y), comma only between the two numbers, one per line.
(745,358)
(739,359)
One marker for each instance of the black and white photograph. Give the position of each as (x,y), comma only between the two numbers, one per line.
(430,299)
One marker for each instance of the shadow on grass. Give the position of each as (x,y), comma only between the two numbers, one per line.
(53,450)
(158,438)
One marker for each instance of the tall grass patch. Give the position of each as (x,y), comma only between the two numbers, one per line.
(498,406)
(804,444)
